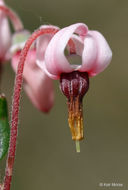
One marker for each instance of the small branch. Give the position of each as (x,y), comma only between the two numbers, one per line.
(16,102)
(13,17)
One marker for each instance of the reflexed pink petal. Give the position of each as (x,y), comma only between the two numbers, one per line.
(37,84)
(79,44)
(100,51)
(41,45)
(89,54)
(55,59)
(5,35)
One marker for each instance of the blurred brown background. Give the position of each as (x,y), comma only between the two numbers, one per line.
(46,157)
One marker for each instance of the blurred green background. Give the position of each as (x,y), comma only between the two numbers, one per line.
(46,157)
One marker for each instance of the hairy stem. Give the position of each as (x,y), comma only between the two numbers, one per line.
(16,102)
(13,17)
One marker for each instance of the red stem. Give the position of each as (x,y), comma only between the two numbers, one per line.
(13,17)
(16,102)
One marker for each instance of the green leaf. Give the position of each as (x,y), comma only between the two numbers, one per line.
(4,127)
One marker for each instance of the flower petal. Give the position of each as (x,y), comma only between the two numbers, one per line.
(100,52)
(79,44)
(5,35)
(41,45)
(37,84)
(89,54)
(55,60)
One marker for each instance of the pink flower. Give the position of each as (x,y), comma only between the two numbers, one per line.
(38,86)
(88,54)
(91,55)
(5,35)
(90,45)
(49,54)
(41,95)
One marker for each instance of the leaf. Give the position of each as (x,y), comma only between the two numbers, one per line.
(4,127)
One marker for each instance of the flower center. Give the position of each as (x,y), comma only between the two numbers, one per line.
(74,85)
